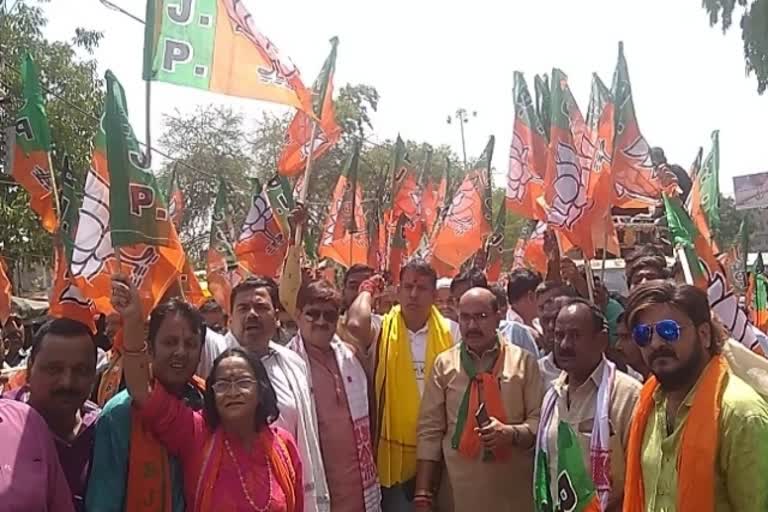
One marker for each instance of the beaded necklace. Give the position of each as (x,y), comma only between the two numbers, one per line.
(245,487)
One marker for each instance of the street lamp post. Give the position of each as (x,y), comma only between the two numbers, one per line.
(462,117)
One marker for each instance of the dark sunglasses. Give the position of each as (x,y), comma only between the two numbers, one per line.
(668,330)
(315,314)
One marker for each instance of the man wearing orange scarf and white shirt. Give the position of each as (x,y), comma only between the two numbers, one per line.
(404,344)
(699,436)
(488,455)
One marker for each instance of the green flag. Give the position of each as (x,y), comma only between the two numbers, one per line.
(223,234)
(599,97)
(543,101)
(138,210)
(71,198)
(281,201)
(709,185)
(684,234)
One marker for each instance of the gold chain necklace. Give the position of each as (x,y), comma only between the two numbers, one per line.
(245,487)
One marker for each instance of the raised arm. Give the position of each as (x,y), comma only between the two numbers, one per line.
(290,279)
(359,314)
(125,300)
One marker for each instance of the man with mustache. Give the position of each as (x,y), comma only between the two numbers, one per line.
(404,344)
(254,314)
(699,435)
(61,374)
(594,402)
(488,456)
(340,396)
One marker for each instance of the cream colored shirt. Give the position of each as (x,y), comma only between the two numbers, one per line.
(577,408)
(477,485)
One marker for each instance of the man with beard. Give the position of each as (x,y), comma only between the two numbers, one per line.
(488,460)
(699,436)
(593,400)
(61,374)
(340,397)
(404,344)
(127,460)
(253,324)
(13,340)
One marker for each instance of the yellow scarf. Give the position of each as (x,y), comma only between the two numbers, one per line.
(395,378)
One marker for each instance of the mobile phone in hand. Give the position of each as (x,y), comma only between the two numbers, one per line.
(482,416)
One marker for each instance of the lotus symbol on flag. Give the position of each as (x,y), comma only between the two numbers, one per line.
(726,306)
(312,145)
(257,223)
(519,175)
(633,178)
(459,218)
(282,67)
(570,188)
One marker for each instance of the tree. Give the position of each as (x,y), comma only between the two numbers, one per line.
(754,32)
(67,80)
(730,222)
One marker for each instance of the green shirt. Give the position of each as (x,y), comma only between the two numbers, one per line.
(613,309)
(741,460)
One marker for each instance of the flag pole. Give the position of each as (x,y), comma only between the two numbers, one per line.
(605,250)
(683,259)
(307,171)
(54,188)
(590,278)
(147,121)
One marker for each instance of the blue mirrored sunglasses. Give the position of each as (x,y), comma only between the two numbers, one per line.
(668,330)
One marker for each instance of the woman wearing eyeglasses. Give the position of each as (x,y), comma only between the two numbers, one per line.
(232,458)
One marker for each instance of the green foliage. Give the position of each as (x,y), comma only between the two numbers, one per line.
(754,32)
(63,72)
(730,221)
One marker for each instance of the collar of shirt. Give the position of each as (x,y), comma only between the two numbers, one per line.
(485,359)
(561,383)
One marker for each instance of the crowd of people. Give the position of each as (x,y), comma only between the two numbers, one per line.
(433,394)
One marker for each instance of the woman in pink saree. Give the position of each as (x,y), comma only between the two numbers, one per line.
(232,458)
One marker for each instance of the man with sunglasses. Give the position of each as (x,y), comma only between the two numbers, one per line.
(591,397)
(479,414)
(699,436)
(340,389)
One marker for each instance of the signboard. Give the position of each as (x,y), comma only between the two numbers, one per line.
(751,191)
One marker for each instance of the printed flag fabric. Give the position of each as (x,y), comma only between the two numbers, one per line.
(344,238)
(527,156)
(214,45)
(140,218)
(189,285)
(67,300)
(567,178)
(704,199)
(636,182)
(467,222)
(30,145)
(495,246)
(175,201)
(298,146)
(529,249)
(397,250)
(407,203)
(280,195)
(759,294)
(575,491)
(222,269)
(707,273)
(543,101)
(261,246)
(5,293)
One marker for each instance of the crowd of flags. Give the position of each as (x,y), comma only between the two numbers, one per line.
(566,172)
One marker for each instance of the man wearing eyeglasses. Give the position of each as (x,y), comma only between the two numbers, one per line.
(339,387)
(699,435)
(479,414)
(591,402)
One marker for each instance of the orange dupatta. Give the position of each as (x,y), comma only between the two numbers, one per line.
(149,474)
(698,445)
(280,464)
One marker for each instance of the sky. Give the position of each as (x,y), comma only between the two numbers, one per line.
(428,58)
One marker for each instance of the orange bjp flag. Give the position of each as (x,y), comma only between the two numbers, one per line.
(5,294)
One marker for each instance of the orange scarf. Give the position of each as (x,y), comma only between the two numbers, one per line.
(698,445)
(487,385)
(279,461)
(149,474)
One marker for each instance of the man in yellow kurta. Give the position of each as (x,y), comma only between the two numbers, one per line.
(490,465)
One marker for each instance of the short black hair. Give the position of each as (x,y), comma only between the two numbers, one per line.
(658,263)
(211,306)
(266,412)
(561,289)
(501,296)
(60,327)
(175,306)
(473,276)
(598,318)
(253,283)
(420,266)
(357,268)
(520,282)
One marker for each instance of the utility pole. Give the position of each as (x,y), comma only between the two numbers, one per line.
(462,117)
